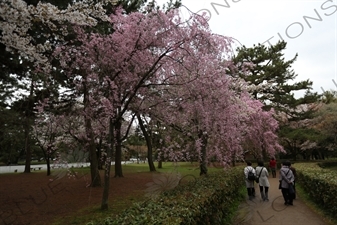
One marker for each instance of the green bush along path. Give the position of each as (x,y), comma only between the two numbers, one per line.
(274,212)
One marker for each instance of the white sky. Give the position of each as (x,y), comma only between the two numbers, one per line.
(257,21)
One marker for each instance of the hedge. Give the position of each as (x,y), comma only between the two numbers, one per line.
(320,184)
(206,200)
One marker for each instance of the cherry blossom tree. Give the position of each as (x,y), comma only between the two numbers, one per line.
(110,70)
(30,31)
(260,133)
(212,112)
(214,123)
(46,132)
(152,63)
(29,34)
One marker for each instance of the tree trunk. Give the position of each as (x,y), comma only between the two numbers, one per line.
(48,166)
(27,148)
(203,163)
(148,143)
(95,177)
(160,164)
(105,197)
(27,130)
(118,156)
(99,155)
(47,158)
(150,160)
(234,160)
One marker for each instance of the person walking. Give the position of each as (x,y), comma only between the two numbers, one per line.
(295,175)
(249,182)
(264,185)
(272,166)
(286,179)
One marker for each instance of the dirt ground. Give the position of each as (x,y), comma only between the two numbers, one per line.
(27,199)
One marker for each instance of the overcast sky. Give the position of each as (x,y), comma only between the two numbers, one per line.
(308,27)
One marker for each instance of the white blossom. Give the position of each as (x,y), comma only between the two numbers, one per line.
(17,19)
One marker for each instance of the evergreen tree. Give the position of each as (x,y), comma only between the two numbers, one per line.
(269,75)
(271,80)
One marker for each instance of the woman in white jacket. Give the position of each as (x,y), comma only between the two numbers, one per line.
(262,174)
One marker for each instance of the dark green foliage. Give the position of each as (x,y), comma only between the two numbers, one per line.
(272,80)
(11,136)
(329,97)
(327,164)
(136,5)
(320,184)
(294,137)
(207,200)
(275,73)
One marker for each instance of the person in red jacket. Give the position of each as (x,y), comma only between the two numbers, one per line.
(272,166)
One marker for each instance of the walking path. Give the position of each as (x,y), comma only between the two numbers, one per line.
(274,212)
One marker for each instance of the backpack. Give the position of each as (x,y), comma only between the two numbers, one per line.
(251,175)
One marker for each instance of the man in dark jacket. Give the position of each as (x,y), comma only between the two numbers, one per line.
(286,179)
(295,175)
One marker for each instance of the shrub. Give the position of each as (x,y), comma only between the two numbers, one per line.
(207,200)
(320,184)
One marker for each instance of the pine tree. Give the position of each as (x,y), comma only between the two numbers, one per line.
(271,80)
(270,74)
